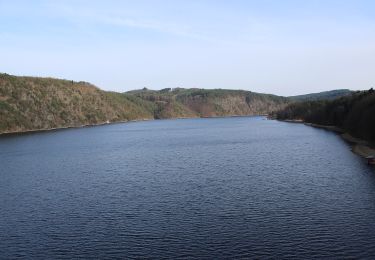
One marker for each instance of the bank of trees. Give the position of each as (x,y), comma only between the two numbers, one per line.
(354,113)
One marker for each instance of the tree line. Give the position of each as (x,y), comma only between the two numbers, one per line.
(354,113)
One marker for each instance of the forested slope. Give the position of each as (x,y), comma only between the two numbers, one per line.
(31,103)
(354,113)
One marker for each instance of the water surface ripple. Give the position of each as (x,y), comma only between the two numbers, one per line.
(194,188)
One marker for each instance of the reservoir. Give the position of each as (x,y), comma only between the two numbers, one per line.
(241,187)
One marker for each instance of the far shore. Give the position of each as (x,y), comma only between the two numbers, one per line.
(358,146)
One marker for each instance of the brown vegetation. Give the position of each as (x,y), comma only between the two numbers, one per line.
(29,103)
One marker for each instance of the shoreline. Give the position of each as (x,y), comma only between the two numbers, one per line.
(359,146)
(70,127)
(10,133)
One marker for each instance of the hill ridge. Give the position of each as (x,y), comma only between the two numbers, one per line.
(35,103)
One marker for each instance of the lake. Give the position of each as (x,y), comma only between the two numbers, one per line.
(241,187)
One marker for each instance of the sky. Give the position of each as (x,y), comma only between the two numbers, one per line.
(269,46)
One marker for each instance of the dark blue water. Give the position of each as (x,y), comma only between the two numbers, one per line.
(195,188)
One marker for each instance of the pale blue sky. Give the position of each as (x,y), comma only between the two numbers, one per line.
(281,47)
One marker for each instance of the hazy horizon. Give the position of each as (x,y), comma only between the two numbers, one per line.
(284,48)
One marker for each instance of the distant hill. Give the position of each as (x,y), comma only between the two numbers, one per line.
(31,103)
(181,102)
(325,95)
